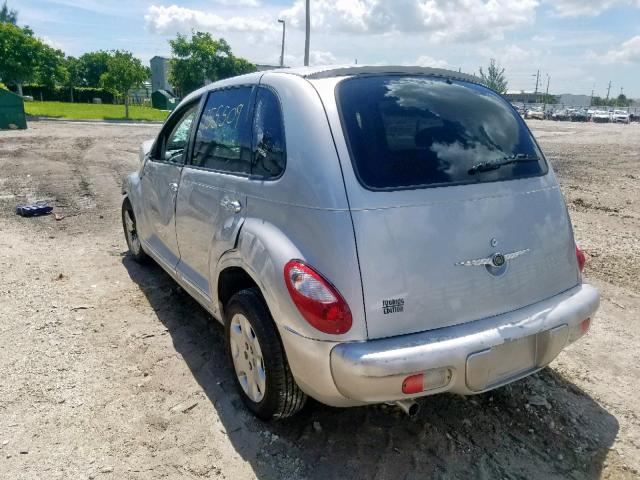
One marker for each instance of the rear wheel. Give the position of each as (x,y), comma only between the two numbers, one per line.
(131,233)
(262,375)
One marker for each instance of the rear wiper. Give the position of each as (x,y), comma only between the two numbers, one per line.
(495,165)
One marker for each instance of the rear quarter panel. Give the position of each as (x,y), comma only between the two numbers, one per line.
(303,215)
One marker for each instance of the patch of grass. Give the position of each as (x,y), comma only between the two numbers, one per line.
(90,111)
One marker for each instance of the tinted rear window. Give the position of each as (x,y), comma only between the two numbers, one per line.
(412,131)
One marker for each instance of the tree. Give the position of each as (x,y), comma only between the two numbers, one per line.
(50,69)
(8,16)
(201,58)
(622,101)
(124,72)
(242,66)
(74,76)
(20,53)
(92,66)
(494,78)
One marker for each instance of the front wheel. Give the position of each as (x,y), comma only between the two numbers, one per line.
(262,375)
(131,233)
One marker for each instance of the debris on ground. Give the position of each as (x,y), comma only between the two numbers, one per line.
(34,209)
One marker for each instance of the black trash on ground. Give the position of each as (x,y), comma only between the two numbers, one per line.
(34,209)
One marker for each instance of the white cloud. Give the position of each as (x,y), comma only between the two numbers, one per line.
(238,3)
(590,8)
(53,43)
(511,54)
(628,52)
(450,20)
(171,19)
(427,61)
(316,58)
(320,57)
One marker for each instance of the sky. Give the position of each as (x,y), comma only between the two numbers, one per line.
(576,45)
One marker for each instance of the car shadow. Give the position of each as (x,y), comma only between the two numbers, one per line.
(540,427)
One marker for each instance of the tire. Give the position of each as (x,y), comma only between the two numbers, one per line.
(131,233)
(262,375)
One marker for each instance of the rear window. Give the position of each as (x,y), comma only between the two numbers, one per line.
(415,131)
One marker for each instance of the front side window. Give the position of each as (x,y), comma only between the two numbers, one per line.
(269,155)
(417,131)
(223,138)
(174,145)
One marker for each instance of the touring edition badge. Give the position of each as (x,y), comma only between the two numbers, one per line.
(394,305)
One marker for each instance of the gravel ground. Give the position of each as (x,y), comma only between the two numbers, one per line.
(109,370)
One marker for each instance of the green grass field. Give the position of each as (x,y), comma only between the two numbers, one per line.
(89,111)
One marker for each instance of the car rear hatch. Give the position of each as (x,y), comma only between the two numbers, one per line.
(455,213)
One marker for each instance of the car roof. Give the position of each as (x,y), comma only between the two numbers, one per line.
(334,71)
(331,71)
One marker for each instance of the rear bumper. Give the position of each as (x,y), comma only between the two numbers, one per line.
(466,359)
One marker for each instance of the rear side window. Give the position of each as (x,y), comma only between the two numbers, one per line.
(269,153)
(416,131)
(223,138)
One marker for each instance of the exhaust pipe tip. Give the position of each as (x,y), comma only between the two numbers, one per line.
(409,407)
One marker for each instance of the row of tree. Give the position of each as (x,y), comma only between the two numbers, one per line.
(621,101)
(26,59)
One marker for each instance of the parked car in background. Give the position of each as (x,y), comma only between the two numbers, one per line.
(579,115)
(561,114)
(601,116)
(519,108)
(535,112)
(276,200)
(620,116)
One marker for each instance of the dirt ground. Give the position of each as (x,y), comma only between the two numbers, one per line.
(109,370)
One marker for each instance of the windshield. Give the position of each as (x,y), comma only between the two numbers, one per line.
(416,131)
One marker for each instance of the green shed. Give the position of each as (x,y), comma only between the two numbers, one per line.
(163,100)
(11,110)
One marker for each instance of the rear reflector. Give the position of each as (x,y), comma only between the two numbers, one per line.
(413,384)
(428,380)
(581,258)
(584,326)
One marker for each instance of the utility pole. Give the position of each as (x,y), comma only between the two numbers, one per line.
(537,82)
(307,36)
(284,32)
(546,97)
(548,81)
(609,90)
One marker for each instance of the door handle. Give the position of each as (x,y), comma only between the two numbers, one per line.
(173,187)
(231,205)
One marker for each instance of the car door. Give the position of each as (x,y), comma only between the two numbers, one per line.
(211,204)
(159,184)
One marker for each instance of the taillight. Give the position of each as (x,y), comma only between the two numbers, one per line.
(318,301)
(581,258)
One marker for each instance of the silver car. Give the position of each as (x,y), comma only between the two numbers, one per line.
(364,234)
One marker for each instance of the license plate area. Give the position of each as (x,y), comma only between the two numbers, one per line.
(513,359)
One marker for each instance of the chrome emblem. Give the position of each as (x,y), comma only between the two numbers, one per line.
(494,242)
(497,260)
